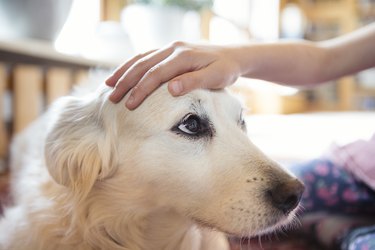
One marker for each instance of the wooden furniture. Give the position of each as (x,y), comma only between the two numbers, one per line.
(3,131)
(332,18)
(327,19)
(342,16)
(268,99)
(111,9)
(32,75)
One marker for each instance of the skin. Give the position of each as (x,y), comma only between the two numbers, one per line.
(186,67)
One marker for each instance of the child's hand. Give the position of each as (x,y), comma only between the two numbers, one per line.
(185,67)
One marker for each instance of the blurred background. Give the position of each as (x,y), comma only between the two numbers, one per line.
(48,46)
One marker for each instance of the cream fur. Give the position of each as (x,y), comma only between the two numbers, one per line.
(92,175)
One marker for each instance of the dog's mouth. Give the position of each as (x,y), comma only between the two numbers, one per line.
(274,222)
(205,224)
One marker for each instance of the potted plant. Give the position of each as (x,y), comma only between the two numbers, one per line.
(154,23)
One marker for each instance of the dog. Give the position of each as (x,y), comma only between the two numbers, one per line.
(177,173)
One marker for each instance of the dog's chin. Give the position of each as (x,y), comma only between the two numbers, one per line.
(275,223)
(285,221)
(211,226)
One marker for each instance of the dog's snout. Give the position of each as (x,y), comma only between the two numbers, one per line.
(286,196)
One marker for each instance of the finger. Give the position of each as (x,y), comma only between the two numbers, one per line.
(156,76)
(188,82)
(206,78)
(132,76)
(117,73)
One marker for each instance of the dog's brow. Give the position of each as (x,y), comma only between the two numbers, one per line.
(196,106)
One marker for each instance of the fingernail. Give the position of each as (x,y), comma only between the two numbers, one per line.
(176,87)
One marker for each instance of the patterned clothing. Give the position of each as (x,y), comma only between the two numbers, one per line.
(332,188)
(335,191)
(358,158)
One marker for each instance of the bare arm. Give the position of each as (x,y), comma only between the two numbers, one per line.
(302,62)
(187,67)
(288,63)
(350,53)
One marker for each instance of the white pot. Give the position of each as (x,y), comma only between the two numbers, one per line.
(151,26)
(39,19)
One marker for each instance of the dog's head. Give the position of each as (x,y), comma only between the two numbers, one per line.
(190,154)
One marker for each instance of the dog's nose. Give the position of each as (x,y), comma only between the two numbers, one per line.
(287,195)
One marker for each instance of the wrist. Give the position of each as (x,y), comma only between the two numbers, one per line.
(237,56)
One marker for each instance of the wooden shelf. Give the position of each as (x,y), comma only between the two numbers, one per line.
(42,52)
(342,16)
(33,74)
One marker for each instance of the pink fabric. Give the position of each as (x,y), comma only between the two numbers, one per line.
(359,158)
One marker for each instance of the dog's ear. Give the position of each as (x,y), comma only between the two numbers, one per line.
(79,146)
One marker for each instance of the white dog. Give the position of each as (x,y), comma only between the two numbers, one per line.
(173,174)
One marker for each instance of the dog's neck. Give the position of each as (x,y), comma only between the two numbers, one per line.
(155,229)
(165,229)
(130,223)
(132,226)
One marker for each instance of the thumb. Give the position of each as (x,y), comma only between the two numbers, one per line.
(187,82)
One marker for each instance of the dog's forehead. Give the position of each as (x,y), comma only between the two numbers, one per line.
(214,101)
(162,105)
(199,101)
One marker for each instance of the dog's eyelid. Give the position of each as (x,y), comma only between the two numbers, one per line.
(189,115)
(241,121)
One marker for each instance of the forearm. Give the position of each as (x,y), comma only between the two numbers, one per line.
(305,63)
(288,63)
(350,53)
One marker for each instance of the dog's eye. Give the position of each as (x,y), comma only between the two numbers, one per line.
(193,126)
(190,125)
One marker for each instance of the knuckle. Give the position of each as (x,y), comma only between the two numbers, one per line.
(144,54)
(199,81)
(177,44)
(141,55)
(138,57)
(185,53)
(141,63)
(192,80)
(139,91)
(154,71)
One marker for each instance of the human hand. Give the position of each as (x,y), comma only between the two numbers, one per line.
(184,66)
